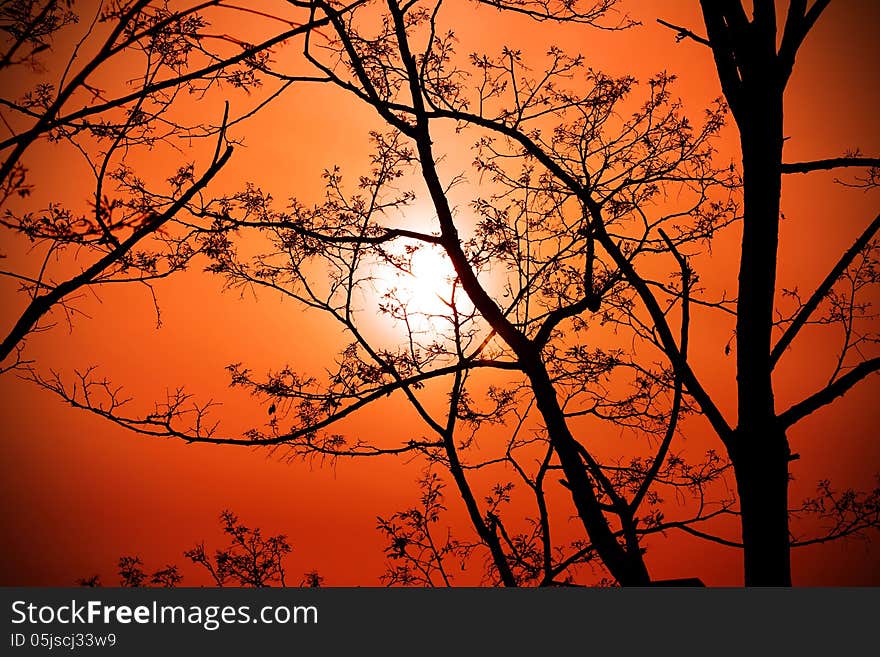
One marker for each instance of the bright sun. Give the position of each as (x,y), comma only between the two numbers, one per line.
(422,296)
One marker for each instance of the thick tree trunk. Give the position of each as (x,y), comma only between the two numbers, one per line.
(759,450)
(762,187)
(761,467)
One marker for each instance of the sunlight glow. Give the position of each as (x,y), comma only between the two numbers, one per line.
(422,295)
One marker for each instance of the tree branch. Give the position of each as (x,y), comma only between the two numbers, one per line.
(829,163)
(683,33)
(822,291)
(695,388)
(41,304)
(829,393)
(798,24)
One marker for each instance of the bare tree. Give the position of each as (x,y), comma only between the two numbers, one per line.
(250,560)
(755,60)
(566,312)
(527,225)
(416,554)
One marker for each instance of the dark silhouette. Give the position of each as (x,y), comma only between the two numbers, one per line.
(417,555)
(125,229)
(754,73)
(250,560)
(617,502)
(571,264)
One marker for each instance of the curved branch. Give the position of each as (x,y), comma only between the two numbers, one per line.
(159,425)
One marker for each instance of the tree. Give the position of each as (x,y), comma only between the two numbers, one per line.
(558,299)
(754,73)
(249,561)
(535,231)
(754,64)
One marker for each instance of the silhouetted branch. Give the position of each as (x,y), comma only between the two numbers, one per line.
(798,23)
(415,556)
(160,423)
(847,513)
(823,290)
(587,12)
(829,163)
(686,282)
(34,29)
(828,394)
(682,33)
(44,302)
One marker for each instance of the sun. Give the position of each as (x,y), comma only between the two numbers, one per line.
(424,294)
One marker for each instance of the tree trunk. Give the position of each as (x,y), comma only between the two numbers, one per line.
(761,467)
(759,450)
(761,139)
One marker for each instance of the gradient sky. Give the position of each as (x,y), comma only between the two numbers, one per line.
(80,492)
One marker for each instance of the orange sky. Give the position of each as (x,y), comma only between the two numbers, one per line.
(79,492)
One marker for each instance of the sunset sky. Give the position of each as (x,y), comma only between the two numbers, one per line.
(80,492)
